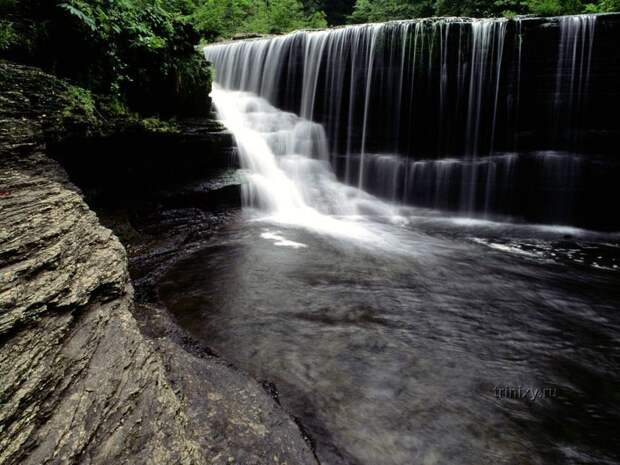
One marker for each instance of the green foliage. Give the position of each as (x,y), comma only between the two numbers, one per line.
(385,10)
(336,11)
(281,16)
(80,15)
(226,18)
(135,48)
(7,5)
(8,36)
(554,7)
(86,114)
(603,6)
(79,113)
(141,51)
(220,17)
(111,107)
(79,102)
(158,126)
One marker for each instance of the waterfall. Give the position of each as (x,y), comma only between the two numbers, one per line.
(573,74)
(287,172)
(427,112)
(485,71)
(341,75)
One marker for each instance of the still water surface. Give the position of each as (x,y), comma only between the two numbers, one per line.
(402,354)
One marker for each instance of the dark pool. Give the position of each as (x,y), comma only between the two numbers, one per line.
(422,353)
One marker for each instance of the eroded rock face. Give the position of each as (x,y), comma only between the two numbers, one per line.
(81,382)
(54,253)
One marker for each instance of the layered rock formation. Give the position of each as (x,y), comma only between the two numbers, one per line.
(81,380)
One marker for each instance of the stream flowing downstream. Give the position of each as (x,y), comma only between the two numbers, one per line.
(399,334)
(396,359)
(389,331)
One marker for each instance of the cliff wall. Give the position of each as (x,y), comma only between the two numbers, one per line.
(82,381)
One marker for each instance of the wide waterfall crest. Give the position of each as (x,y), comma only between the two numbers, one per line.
(441,113)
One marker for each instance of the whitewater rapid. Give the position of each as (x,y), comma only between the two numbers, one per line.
(287,173)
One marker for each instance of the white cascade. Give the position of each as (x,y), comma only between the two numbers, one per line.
(287,172)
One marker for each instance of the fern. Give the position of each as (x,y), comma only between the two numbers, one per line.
(79,14)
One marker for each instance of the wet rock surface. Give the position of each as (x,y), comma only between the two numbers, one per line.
(86,375)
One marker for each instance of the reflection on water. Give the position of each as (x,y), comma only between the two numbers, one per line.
(390,358)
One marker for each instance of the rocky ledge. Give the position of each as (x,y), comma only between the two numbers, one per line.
(81,380)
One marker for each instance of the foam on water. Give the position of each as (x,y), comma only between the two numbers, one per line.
(281,241)
(287,173)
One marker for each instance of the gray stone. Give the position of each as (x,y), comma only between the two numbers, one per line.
(81,382)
